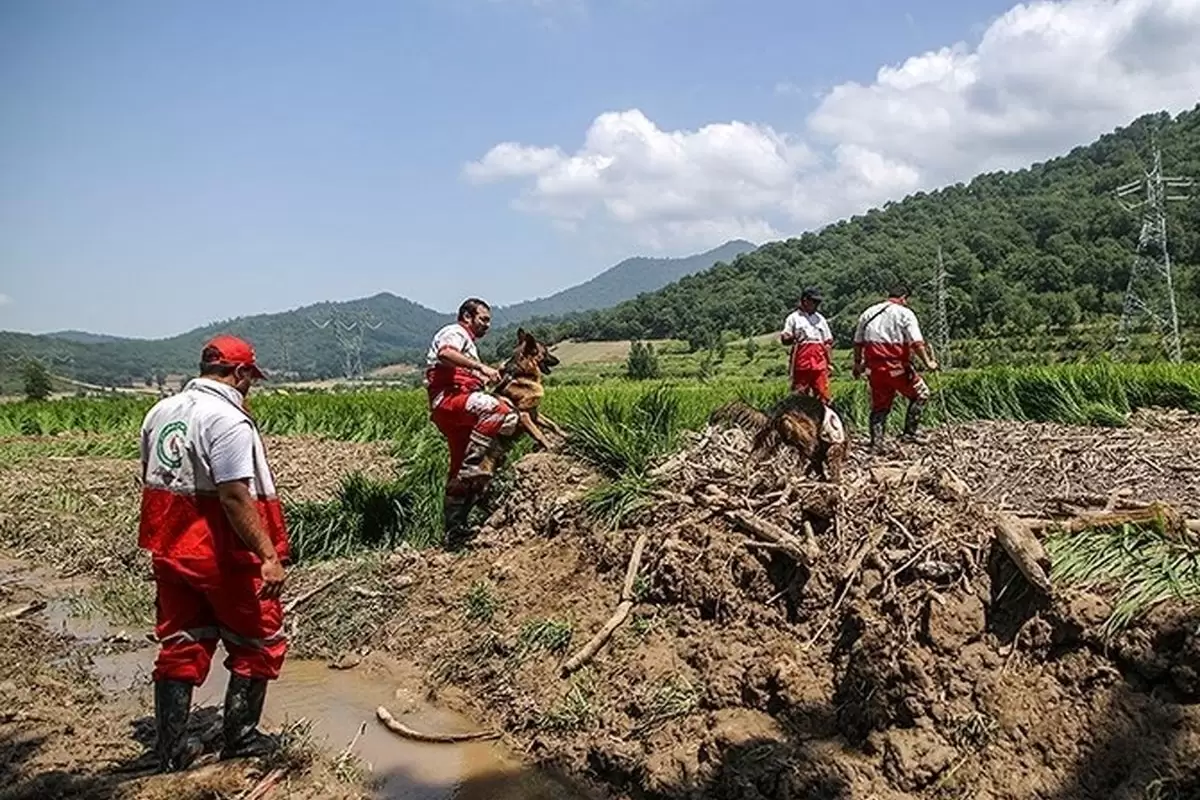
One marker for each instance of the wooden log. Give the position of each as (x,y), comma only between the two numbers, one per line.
(1024,549)
(23,610)
(400,729)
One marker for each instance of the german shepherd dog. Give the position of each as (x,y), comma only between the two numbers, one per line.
(803,422)
(521,385)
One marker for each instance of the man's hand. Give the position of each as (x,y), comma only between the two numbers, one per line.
(857,371)
(273,577)
(932,365)
(489,374)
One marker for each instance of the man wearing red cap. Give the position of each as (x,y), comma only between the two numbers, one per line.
(469,418)
(214,527)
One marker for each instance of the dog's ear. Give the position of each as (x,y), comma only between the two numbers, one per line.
(531,344)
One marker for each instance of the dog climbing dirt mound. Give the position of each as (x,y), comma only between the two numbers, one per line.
(746,632)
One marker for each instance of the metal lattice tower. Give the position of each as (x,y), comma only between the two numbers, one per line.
(941,319)
(1151,289)
(350,337)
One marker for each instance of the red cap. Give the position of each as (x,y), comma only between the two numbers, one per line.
(233,352)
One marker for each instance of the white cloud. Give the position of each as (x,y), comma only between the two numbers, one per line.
(5,299)
(1044,77)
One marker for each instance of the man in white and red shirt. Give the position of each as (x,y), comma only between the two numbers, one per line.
(885,339)
(469,418)
(213,524)
(807,331)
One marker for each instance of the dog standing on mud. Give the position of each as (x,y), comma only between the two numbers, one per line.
(802,421)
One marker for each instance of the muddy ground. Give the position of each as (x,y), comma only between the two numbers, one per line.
(905,659)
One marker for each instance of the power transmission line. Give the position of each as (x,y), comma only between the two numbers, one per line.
(1151,289)
(941,318)
(350,336)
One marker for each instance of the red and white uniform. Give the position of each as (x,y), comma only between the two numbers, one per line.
(887,332)
(458,405)
(207,579)
(809,367)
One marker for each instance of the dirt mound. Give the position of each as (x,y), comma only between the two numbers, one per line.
(796,639)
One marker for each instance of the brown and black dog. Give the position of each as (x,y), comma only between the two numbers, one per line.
(522,385)
(798,420)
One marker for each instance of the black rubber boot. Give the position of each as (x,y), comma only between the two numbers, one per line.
(912,421)
(878,421)
(172,707)
(243,709)
(456,515)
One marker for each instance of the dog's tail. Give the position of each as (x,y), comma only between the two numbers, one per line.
(741,414)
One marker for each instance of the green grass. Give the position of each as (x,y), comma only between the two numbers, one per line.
(621,427)
(1140,566)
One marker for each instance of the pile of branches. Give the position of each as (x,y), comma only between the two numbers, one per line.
(899,533)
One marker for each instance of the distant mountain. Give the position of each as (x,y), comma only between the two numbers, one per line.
(625,281)
(85,337)
(305,342)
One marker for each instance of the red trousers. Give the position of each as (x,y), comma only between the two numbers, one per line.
(812,381)
(462,416)
(197,605)
(889,380)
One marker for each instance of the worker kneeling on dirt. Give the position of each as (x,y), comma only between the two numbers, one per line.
(212,521)
(885,339)
(469,418)
(807,331)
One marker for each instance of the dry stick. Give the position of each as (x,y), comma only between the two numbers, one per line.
(848,576)
(264,787)
(21,611)
(397,727)
(770,532)
(341,759)
(291,604)
(589,650)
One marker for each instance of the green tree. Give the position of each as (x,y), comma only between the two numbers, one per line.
(37,380)
(642,363)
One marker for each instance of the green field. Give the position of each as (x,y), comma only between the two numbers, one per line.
(620,427)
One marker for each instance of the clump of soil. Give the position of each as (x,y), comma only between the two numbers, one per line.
(891,649)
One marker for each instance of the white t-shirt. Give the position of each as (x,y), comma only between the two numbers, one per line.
(455,336)
(807,327)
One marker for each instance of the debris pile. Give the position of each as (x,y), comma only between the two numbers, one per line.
(752,633)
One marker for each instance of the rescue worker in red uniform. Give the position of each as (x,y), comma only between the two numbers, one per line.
(214,527)
(471,419)
(885,339)
(807,331)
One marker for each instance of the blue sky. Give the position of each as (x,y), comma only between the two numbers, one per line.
(170,163)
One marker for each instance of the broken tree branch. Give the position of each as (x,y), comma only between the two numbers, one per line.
(589,650)
(1017,539)
(399,728)
(311,593)
(21,611)
(770,532)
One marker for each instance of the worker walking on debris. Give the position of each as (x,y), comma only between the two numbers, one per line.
(807,331)
(213,524)
(886,337)
(469,418)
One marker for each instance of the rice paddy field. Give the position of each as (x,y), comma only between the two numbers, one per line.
(620,427)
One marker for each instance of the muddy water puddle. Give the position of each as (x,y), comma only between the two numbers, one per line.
(340,706)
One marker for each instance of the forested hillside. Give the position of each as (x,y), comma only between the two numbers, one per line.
(289,342)
(1047,246)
